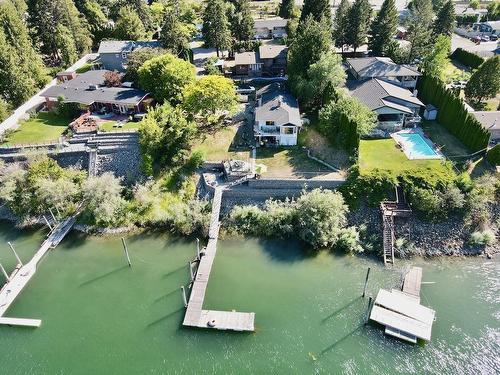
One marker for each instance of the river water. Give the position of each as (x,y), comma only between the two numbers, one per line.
(101,317)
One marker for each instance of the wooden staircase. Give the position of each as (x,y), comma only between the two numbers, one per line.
(389,238)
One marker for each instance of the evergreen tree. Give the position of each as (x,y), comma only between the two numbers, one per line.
(139,7)
(287,8)
(98,22)
(445,19)
(359,22)
(242,21)
(419,25)
(216,32)
(129,26)
(435,62)
(485,81)
(46,15)
(383,28)
(340,24)
(318,9)
(174,36)
(67,48)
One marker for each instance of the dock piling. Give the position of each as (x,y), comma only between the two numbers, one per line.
(184,295)
(52,214)
(4,272)
(366,281)
(191,271)
(198,248)
(367,318)
(15,254)
(47,222)
(125,248)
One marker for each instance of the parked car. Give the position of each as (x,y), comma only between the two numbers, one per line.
(485,38)
(493,37)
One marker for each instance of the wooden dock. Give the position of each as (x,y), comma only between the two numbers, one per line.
(400,311)
(21,276)
(195,315)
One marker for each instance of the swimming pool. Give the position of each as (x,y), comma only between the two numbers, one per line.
(416,146)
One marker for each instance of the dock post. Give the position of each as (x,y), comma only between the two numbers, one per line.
(198,248)
(15,254)
(125,248)
(52,214)
(4,273)
(366,281)
(47,222)
(184,295)
(367,318)
(191,271)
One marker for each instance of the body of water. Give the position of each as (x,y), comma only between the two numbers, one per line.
(101,317)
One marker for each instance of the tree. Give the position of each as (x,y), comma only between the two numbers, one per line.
(419,25)
(138,7)
(485,81)
(313,38)
(137,58)
(359,22)
(4,109)
(493,13)
(208,100)
(318,9)
(164,136)
(216,32)
(383,28)
(435,62)
(174,35)
(340,24)
(97,20)
(445,20)
(165,77)
(66,45)
(241,21)
(129,26)
(112,79)
(287,9)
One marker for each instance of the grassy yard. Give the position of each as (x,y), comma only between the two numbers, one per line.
(84,68)
(218,146)
(291,161)
(383,154)
(450,145)
(108,126)
(44,127)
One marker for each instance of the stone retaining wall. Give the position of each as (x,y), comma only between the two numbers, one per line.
(291,184)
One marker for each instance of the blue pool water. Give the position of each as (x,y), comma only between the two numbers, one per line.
(416,146)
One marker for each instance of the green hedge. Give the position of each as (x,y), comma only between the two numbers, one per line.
(493,155)
(467,58)
(349,133)
(452,113)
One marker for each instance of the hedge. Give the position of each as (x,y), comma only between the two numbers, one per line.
(467,58)
(349,133)
(493,155)
(452,113)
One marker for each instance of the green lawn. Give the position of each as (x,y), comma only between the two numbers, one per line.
(290,161)
(449,144)
(382,154)
(108,126)
(44,127)
(84,68)
(217,146)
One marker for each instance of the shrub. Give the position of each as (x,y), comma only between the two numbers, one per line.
(493,155)
(467,58)
(483,238)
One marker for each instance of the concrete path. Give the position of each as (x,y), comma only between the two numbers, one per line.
(12,121)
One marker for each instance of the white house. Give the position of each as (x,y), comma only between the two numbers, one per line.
(277,116)
(270,28)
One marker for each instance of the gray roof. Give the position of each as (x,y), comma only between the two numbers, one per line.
(246,58)
(78,90)
(273,51)
(377,93)
(118,46)
(370,67)
(489,119)
(270,23)
(277,105)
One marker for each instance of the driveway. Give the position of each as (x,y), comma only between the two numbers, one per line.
(201,55)
(485,49)
(36,100)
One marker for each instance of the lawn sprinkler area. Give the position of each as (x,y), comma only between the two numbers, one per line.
(416,145)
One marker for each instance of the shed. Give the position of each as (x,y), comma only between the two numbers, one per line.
(430,112)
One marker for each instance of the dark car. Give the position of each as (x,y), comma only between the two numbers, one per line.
(493,37)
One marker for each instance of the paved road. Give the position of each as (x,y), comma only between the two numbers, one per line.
(36,100)
(200,55)
(484,49)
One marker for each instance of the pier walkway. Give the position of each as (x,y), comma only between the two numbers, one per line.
(22,275)
(195,315)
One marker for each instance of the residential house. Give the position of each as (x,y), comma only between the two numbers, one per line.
(269,60)
(277,116)
(270,28)
(383,67)
(88,89)
(113,54)
(395,106)
(491,122)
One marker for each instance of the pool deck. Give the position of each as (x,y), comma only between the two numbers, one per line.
(435,154)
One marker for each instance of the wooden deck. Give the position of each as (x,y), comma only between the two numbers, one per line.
(413,281)
(195,315)
(20,277)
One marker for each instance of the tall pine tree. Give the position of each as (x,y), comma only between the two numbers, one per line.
(445,20)
(129,26)
(216,27)
(286,8)
(242,21)
(174,36)
(340,24)
(318,9)
(359,21)
(419,25)
(383,28)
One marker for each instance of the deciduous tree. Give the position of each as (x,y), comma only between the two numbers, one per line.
(129,26)
(383,28)
(112,79)
(435,62)
(137,58)
(485,81)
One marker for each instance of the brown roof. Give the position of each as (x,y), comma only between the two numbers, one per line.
(272,51)
(246,58)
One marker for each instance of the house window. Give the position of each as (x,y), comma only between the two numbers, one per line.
(288,130)
(124,55)
(269,122)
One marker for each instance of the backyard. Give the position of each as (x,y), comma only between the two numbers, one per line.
(111,126)
(220,145)
(44,127)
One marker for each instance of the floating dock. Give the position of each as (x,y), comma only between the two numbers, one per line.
(195,315)
(400,311)
(21,276)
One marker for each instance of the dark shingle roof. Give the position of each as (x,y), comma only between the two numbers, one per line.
(78,90)
(489,119)
(118,46)
(370,67)
(277,105)
(273,51)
